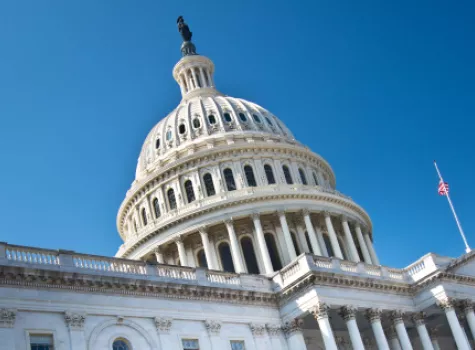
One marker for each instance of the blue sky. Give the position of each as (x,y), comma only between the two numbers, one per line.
(377,88)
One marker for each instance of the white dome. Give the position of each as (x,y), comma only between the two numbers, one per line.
(206,117)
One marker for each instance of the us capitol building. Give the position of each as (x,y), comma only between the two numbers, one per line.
(235,238)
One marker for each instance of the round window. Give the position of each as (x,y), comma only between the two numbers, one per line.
(169,135)
(243,117)
(196,123)
(227,117)
(212,119)
(256,118)
(268,121)
(181,129)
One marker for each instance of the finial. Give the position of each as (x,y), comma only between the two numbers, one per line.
(187,48)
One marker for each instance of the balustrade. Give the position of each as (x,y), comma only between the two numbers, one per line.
(32,255)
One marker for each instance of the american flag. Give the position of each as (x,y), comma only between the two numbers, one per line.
(443,188)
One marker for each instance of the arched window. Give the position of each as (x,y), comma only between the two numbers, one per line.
(171,199)
(303,178)
(251,180)
(209,185)
(256,118)
(288,177)
(196,123)
(243,117)
(227,117)
(182,129)
(190,194)
(135,226)
(156,208)
(212,119)
(273,252)
(315,178)
(229,179)
(328,245)
(295,242)
(202,259)
(269,174)
(120,344)
(249,255)
(157,143)
(268,121)
(169,135)
(144,217)
(226,258)
(307,238)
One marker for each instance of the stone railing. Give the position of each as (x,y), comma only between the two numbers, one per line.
(31,255)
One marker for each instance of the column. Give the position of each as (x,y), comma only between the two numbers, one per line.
(332,234)
(461,318)
(235,250)
(398,323)
(262,244)
(7,324)
(433,338)
(393,340)
(448,306)
(159,255)
(321,241)
(293,333)
(214,253)
(418,319)
(274,330)
(301,236)
(361,241)
(287,236)
(207,249)
(349,240)
(320,312)
(374,317)
(467,306)
(348,313)
(372,253)
(261,340)
(181,251)
(75,323)
(182,86)
(311,233)
(203,80)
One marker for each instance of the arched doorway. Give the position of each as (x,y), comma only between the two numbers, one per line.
(202,259)
(273,252)
(226,257)
(249,255)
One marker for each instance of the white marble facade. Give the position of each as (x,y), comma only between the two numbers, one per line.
(234,238)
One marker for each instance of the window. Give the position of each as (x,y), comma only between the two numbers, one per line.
(135,225)
(256,118)
(202,259)
(226,258)
(209,186)
(295,242)
(227,117)
(144,217)
(269,122)
(212,119)
(190,344)
(157,143)
(196,123)
(156,208)
(41,342)
(182,129)
(120,344)
(171,199)
(242,116)
(303,178)
(251,180)
(273,252)
(269,174)
(249,255)
(237,345)
(288,177)
(198,80)
(190,194)
(229,179)
(315,178)
(169,135)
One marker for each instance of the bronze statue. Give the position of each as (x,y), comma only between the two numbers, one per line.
(183,29)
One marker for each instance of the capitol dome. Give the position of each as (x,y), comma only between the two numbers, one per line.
(222,183)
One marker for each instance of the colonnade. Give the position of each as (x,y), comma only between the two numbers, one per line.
(352,236)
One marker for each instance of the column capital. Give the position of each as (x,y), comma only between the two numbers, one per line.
(228,222)
(373,315)
(280,213)
(348,312)
(326,214)
(7,318)
(419,318)
(344,218)
(178,239)
(203,230)
(157,250)
(256,216)
(293,326)
(213,327)
(320,311)
(273,329)
(75,321)
(467,305)
(305,212)
(446,304)
(396,316)
(163,324)
(257,329)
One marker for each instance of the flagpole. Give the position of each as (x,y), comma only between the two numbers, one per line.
(467,248)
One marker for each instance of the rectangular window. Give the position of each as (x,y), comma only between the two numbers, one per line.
(41,342)
(237,345)
(190,344)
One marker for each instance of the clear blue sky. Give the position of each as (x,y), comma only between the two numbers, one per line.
(378,88)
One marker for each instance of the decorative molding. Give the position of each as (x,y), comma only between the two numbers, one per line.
(348,312)
(163,324)
(7,318)
(467,305)
(257,329)
(119,320)
(446,304)
(373,315)
(213,327)
(292,327)
(320,311)
(419,318)
(75,321)
(273,329)
(396,316)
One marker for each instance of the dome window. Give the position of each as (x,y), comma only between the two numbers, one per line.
(269,121)
(212,119)
(315,179)
(196,123)
(229,179)
(269,174)
(251,179)
(256,118)
(156,208)
(182,129)
(171,199)
(303,178)
(190,193)
(288,177)
(169,135)
(144,217)
(119,344)
(157,143)
(243,117)
(209,186)
(227,117)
